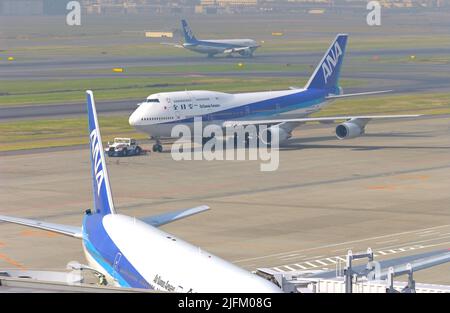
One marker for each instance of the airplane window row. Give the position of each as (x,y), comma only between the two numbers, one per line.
(157,118)
(181,100)
(152,100)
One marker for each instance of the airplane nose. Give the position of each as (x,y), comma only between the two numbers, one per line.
(133,119)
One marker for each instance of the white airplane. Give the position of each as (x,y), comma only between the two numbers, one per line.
(132,252)
(162,111)
(243,47)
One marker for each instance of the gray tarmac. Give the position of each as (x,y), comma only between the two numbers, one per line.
(387,190)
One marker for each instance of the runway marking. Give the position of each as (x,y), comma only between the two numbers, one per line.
(339,244)
(289,268)
(425,232)
(317,257)
(290,258)
(417,243)
(312,263)
(12,262)
(429,234)
(290,255)
(387,241)
(277,269)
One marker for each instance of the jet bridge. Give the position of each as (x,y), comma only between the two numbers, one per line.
(373,277)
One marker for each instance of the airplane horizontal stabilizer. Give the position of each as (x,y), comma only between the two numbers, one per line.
(358,94)
(158,220)
(67,230)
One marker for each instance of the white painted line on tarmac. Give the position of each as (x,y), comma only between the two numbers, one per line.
(289,255)
(277,269)
(341,243)
(387,241)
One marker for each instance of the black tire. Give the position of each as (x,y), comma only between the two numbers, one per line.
(154,148)
(138,150)
(159,148)
(125,152)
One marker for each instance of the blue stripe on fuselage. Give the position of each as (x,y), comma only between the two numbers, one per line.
(104,251)
(268,107)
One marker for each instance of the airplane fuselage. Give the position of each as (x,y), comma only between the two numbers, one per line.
(132,253)
(161,112)
(212,47)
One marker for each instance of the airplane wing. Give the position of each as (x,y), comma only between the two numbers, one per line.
(313,119)
(176,45)
(233,50)
(158,220)
(67,230)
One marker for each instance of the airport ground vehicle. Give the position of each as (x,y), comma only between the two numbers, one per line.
(123,147)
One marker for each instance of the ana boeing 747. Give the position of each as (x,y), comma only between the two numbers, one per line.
(160,112)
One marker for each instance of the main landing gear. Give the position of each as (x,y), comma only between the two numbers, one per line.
(157,147)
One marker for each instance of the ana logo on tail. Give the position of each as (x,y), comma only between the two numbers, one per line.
(331,61)
(97,160)
(189,32)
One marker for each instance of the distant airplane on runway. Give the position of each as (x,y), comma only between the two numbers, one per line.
(162,111)
(132,252)
(242,47)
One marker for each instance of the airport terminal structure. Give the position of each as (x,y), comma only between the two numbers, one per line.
(96,197)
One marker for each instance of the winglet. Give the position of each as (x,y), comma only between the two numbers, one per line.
(103,201)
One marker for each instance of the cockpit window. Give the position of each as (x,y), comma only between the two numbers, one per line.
(152,100)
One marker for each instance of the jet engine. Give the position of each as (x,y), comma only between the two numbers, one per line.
(245,52)
(349,130)
(266,135)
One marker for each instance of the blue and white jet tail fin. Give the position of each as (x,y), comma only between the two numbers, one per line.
(326,75)
(188,34)
(103,201)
